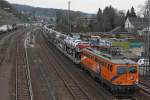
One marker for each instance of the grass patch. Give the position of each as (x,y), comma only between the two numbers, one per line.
(124,45)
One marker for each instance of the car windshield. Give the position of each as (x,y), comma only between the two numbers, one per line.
(121,70)
(132,69)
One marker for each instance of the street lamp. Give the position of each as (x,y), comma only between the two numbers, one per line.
(69,22)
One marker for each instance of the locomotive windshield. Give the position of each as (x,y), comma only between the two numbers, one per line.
(121,70)
(124,69)
(132,69)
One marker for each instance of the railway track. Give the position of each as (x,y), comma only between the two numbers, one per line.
(104,93)
(71,84)
(145,88)
(86,78)
(4,44)
(22,86)
(9,60)
(89,81)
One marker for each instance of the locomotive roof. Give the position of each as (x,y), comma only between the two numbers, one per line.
(109,57)
(123,61)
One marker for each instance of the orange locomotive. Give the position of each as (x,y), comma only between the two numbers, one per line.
(120,75)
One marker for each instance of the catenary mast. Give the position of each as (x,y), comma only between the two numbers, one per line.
(146,69)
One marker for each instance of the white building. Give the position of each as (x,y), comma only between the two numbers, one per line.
(134,24)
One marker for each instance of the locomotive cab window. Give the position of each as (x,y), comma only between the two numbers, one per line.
(132,69)
(110,67)
(121,70)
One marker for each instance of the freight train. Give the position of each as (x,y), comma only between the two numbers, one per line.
(119,75)
(7,28)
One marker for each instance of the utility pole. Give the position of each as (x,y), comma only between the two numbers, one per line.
(146,69)
(69,21)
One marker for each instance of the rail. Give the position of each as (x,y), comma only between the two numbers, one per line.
(74,88)
(145,87)
(23,80)
(28,68)
(22,92)
(29,75)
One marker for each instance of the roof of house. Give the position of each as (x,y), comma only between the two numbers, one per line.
(138,23)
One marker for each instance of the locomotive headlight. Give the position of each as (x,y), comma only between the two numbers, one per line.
(132,77)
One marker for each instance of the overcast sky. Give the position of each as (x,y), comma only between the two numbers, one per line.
(90,6)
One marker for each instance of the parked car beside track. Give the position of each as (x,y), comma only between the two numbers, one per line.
(143,62)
